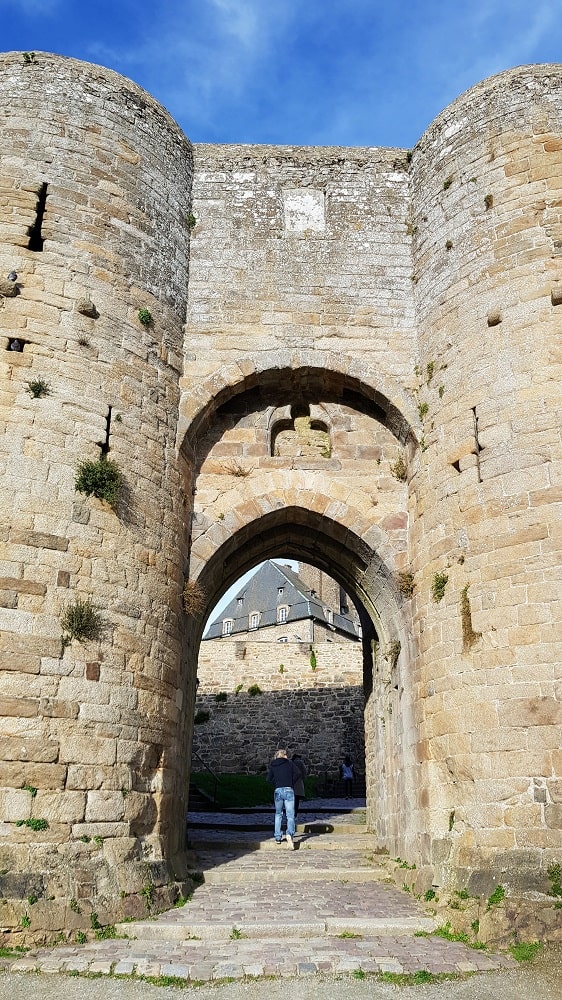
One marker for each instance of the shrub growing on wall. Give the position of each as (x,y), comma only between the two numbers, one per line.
(102,479)
(81,621)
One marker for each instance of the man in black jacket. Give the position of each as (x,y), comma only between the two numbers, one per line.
(282,775)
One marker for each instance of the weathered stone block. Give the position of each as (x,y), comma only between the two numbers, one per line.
(15,748)
(553,816)
(87,750)
(541,711)
(14,805)
(104,807)
(39,775)
(100,829)
(60,807)
(39,540)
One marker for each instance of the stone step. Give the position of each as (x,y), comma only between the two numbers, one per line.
(240,958)
(252,841)
(216,930)
(238,875)
(316,827)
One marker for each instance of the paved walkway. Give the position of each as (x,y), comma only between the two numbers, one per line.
(265,910)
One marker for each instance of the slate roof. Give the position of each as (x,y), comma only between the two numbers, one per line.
(271,586)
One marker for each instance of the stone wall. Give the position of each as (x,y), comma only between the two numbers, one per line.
(312,707)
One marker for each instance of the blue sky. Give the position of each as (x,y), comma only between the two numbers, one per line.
(307,72)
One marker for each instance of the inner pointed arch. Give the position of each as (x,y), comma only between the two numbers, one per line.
(310,537)
(312,378)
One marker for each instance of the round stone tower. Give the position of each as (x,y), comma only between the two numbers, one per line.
(95,184)
(487,276)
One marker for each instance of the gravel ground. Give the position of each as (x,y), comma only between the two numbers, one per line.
(541,980)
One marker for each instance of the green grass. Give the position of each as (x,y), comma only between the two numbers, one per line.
(16,952)
(444,931)
(244,790)
(525,951)
(496,898)
(417,978)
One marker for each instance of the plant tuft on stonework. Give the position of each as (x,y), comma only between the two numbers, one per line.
(34,824)
(554,873)
(447,183)
(235,468)
(101,478)
(149,892)
(423,410)
(313,663)
(406,584)
(438,586)
(221,696)
(393,652)
(37,388)
(82,621)
(28,58)
(254,689)
(525,951)
(145,317)
(469,636)
(399,469)
(191,221)
(496,897)
(194,598)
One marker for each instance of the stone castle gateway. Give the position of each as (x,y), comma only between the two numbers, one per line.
(408,306)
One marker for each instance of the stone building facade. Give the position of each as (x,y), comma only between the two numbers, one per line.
(279,667)
(406,306)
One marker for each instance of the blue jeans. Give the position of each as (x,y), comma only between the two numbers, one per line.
(284,797)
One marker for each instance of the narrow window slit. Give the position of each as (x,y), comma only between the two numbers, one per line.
(34,232)
(476,442)
(104,445)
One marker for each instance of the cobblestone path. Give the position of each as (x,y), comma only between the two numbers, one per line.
(264,909)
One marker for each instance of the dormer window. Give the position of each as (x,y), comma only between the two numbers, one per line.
(255,619)
(240,601)
(280,591)
(227,626)
(282,613)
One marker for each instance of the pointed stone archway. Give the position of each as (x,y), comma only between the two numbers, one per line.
(346,514)
(305,534)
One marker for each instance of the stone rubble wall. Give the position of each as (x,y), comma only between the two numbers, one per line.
(315,709)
